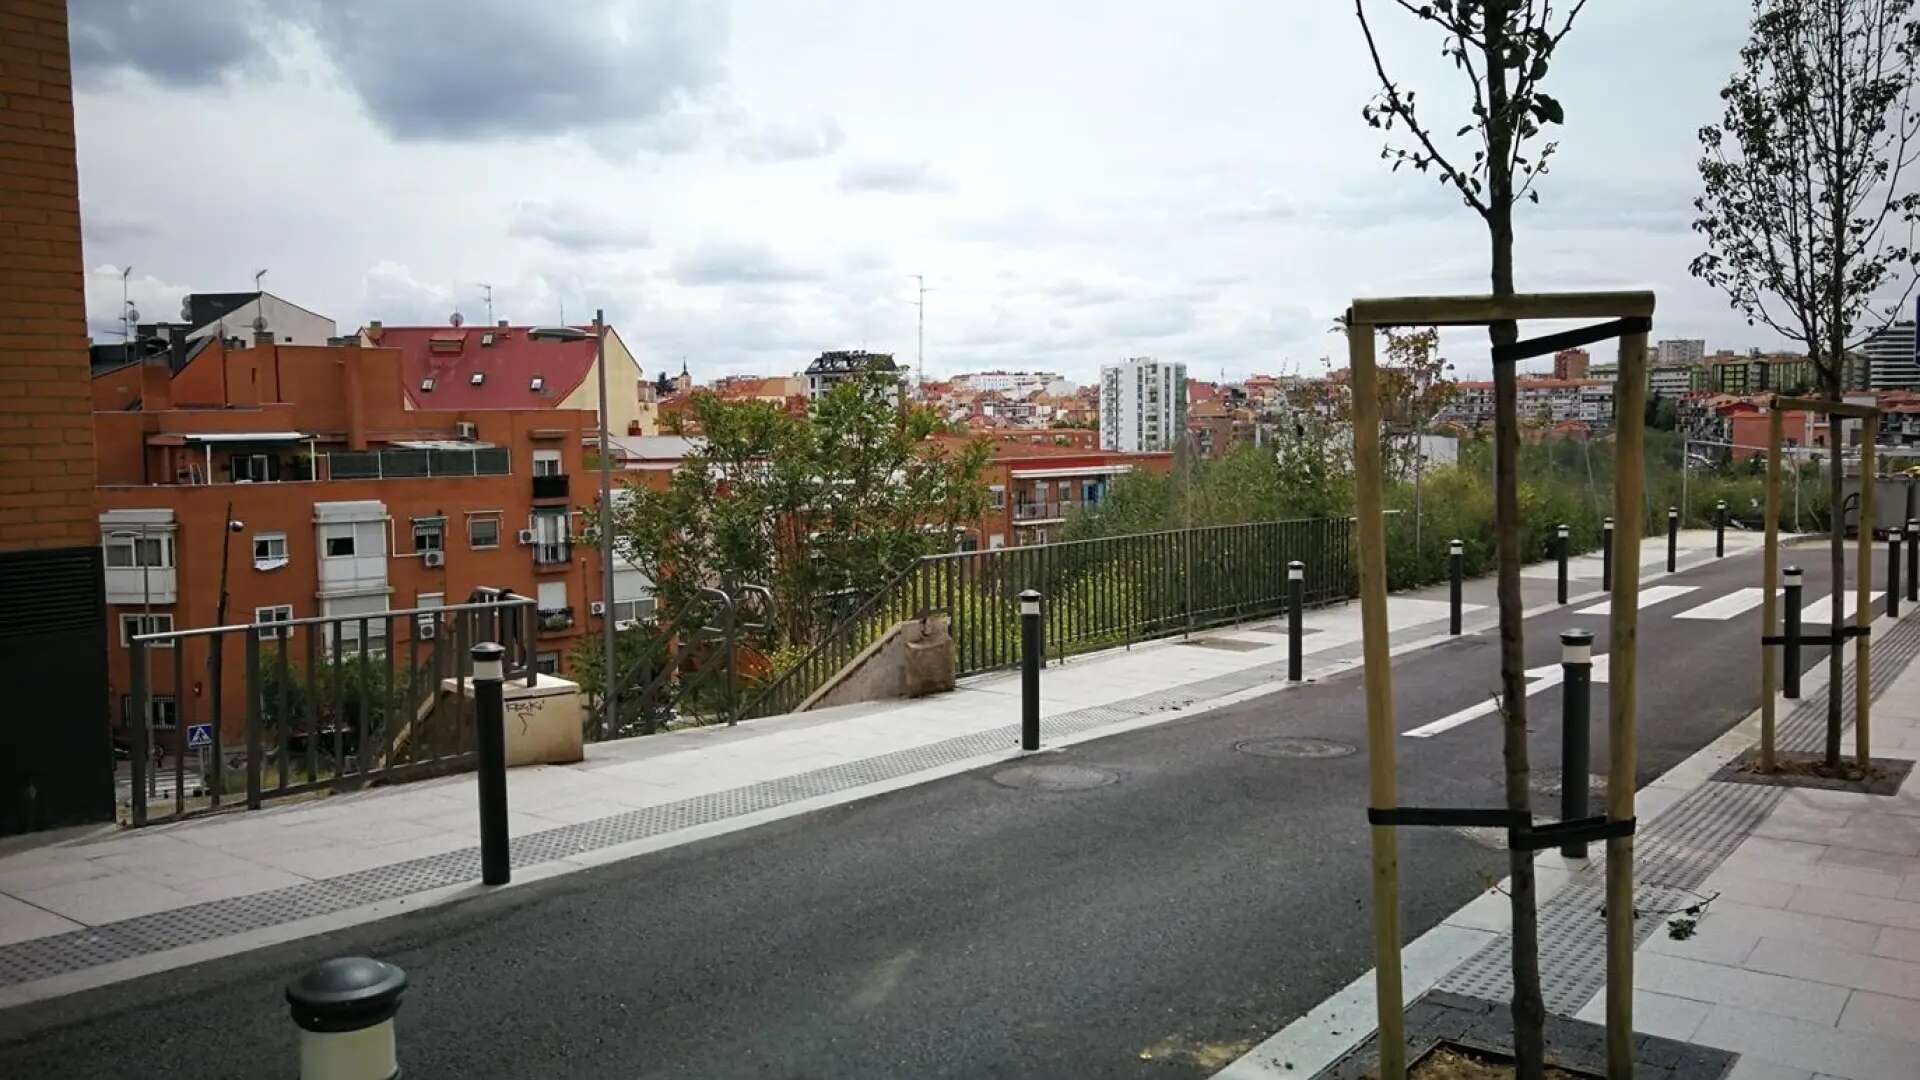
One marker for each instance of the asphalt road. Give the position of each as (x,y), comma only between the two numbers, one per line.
(1154,926)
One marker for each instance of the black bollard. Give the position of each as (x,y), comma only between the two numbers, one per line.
(344,1008)
(1606,555)
(1673,538)
(1893,572)
(490,724)
(1720,529)
(1576,713)
(1913,561)
(1032,648)
(1790,651)
(1456,576)
(1560,541)
(1296,616)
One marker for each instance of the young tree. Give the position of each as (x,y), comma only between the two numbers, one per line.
(1802,211)
(1503,49)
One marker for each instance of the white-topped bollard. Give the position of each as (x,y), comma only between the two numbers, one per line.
(344,1009)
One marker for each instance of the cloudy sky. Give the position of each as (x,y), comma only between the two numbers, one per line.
(744,184)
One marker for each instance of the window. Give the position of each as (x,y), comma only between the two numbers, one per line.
(478,378)
(129,551)
(547,663)
(546,463)
(347,631)
(278,613)
(1066,490)
(162,713)
(552,596)
(428,619)
(157,623)
(340,546)
(537,384)
(427,534)
(549,536)
(483,532)
(996,542)
(997,496)
(633,610)
(269,551)
(426,384)
(245,468)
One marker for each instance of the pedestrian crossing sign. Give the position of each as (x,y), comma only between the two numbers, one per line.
(199,736)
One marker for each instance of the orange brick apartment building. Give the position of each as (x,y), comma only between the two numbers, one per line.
(348,501)
(1034,486)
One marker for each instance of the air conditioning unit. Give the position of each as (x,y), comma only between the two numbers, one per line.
(598,607)
(526,536)
(425,630)
(626,624)
(466,429)
(434,558)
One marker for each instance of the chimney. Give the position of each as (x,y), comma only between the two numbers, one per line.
(503,324)
(156,384)
(373,331)
(262,337)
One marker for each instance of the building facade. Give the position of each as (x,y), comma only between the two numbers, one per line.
(1891,364)
(310,489)
(1680,351)
(1033,489)
(1675,380)
(1570,364)
(1143,405)
(514,367)
(56,763)
(832,368)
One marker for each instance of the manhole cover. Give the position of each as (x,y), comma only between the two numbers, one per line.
(1294,746)
(1054,777)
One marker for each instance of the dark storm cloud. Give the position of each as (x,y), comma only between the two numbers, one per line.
(176,42)
(479,68)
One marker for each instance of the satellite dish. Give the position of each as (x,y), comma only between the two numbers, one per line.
(456,319)
(259,323)
(133,313)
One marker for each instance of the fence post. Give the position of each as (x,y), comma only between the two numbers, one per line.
(1456,577)
(1606,555)
(1032,634)
(1790,652)
(1561,542)
(344,1008)
(1673,538)
(251,651)
(141,708)
(1720,529)
(1893,572)
(1913,560)
(490,726)
(1576,712)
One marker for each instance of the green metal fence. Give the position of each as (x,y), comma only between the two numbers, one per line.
(1098,594)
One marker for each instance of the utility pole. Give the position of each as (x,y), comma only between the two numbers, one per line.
(609,717)
(486,290)
(126,316)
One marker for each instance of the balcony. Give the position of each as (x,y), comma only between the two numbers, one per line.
(552,554)
(555,620)
(1031,513)
(550,487)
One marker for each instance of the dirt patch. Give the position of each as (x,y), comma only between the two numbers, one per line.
(1881,776)
(1459,1063)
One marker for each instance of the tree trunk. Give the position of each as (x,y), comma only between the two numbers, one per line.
(1529,1012)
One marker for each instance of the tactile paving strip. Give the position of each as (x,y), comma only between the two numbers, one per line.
(77,950)
(1673,854)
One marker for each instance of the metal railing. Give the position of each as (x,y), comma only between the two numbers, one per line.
(1040,511)
(326,703)
(1098,594)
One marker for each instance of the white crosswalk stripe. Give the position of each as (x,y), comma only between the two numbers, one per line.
(1649,596)
(1821,610)
(1738,602)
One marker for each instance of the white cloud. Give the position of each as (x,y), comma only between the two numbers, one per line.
(892,177)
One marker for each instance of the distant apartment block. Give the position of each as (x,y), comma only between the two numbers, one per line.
(1891,364)
(514,367)
(1570,364)
(1033,487)
(1540,401)
(1675,380)
(1680,351)
(830,369)
(1143,405)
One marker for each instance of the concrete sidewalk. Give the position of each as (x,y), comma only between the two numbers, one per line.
(1806,961)
(84,912)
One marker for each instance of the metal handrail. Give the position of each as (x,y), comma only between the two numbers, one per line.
(506,600)
(839,629)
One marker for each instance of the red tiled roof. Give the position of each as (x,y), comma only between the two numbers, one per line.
(452,355)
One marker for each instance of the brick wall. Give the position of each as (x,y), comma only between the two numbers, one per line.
(46,423)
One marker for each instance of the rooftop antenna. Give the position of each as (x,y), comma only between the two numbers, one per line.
(257,275)
(487,291)
(126,306)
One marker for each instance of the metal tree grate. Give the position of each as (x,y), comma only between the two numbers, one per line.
(1673,854)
